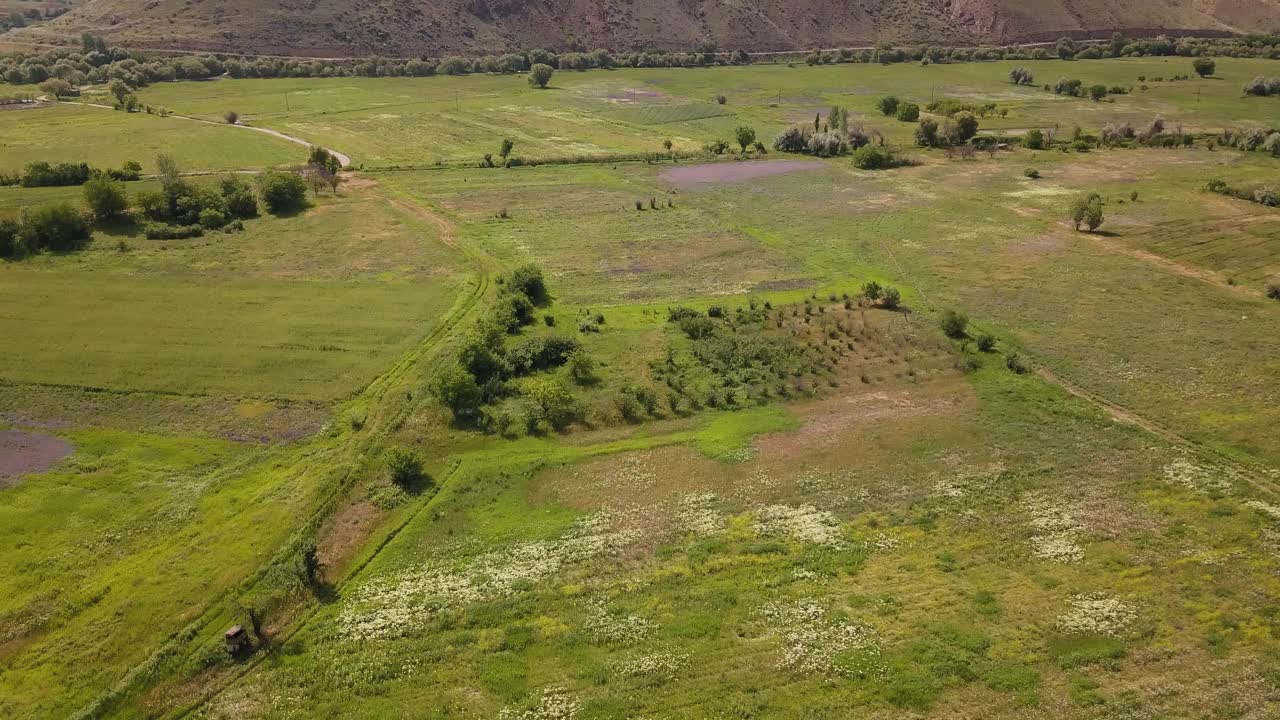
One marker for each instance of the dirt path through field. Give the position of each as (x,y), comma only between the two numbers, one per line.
(342,157)
(1173,266)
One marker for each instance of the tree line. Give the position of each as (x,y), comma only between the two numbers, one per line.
(95,62)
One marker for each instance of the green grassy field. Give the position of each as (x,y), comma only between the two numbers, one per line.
(895,526)
(419,121)
(64,132)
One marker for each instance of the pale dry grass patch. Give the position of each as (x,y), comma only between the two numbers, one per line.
(1097,614)
(815,643)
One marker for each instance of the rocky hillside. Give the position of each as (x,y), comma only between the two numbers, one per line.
(439,27)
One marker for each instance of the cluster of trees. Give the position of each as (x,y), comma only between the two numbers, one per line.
(1021,76)
(58,227)
(183,209)
(893,107)
(831,138)
(17,19)
(486,366)
(957,129)
(1262,195)
(1073,87)
(1263,86)
(43,174)
(1251,139)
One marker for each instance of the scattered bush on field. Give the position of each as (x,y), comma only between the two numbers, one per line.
(1021,76)
(1204,66)
(954,324)
(283,192)
(1031,173)
(404,467)
(1086,211)
(540,75)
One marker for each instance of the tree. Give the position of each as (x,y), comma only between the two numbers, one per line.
(961,127)
(105,197)
(282,192)
(582,368)
(1066,49)
(746,136)
(119,89)
(1034,139)
(888,105)
(554,402)
(908,112)
(325,159)
(954,324)
(528,281)
(231,117)
(457,390)
(170,176)
(507,145)
(540,75)
(872,290)
(1204,67)
(927,133)
(1097,92)
(1086,210)
(56,87)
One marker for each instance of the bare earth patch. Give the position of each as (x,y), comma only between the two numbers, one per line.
(23,452)
(735,171)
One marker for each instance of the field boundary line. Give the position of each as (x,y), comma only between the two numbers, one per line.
(1122,414)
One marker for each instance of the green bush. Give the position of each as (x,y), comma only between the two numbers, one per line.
(455,387)
(891,299)
(528,281)
(105,197)
(874,157)
(282,192)
(58,227)
(986,343)
(212,219)
(888,104)
(908,112)
(1031,173)
(540,75)
(160,231)
(1034,139)
(954,324)
(11,242)
(405,469)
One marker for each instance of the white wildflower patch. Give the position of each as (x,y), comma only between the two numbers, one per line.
(697,514)
(665,665)
(815,644)
(805,524)
(633,474)
(1097,614)
(614,628)
(389,607)
(1197,478)
(555,704)
(883,542)
(1056,530)
(1272,511)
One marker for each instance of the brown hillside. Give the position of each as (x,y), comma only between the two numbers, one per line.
(400,27)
